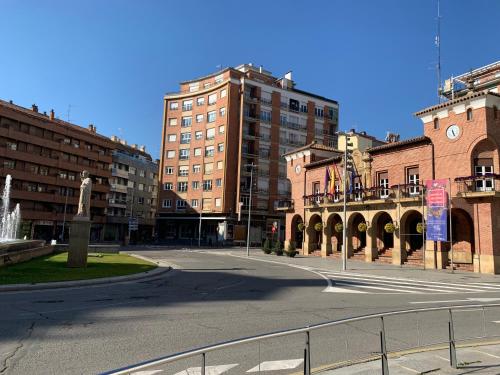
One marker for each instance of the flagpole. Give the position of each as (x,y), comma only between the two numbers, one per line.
(344,226)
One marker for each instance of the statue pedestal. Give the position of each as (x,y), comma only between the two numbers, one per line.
(79,242)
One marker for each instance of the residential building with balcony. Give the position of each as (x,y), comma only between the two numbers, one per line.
(386,201)
(45,157)
(133,193)
(213,130)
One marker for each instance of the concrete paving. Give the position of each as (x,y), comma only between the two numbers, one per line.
(209,298)
(472,360)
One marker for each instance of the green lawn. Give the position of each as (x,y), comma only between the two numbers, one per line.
(53,268)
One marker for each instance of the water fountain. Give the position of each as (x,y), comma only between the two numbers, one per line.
(10,220)
(13,250)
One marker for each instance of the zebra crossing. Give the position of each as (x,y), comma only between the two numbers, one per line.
(347,282)
(287,364)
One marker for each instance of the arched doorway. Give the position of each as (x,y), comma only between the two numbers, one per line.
(336,237)
(383,239)
(313,236)
(296,233)
(411,239)
(356,236)
(462,236)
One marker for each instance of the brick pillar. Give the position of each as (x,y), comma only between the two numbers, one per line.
(371,251)
(398,251)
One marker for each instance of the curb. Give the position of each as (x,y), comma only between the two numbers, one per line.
(160,270)
(398,354)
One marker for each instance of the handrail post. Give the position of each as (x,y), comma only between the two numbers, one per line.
(307,355)
(203,364)
(453,352)
(383,348)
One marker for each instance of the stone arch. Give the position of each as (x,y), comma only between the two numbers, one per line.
(381,240)
(297,235)
(336,238)
(357,239)
(411,240)
(313,237)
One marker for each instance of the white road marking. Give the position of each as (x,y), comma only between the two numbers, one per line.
(209,370)
(377,287)
(277,365)
(386,283)
(444,285)
(460,300)
(147,372)
(336,289)
(496,321)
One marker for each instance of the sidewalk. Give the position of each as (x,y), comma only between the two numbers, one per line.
(483,359)
(355,266)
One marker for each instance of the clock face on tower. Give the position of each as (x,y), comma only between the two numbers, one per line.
(298,168)
(453,132)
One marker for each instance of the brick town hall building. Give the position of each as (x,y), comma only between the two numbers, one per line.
(460,144)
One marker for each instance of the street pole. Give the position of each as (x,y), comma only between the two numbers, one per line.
(64,215)
(249,208)
(199,224)
(344,226)
(131,215)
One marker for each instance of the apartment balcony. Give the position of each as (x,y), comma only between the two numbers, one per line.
(119,188)
(291,142)
(294,125)
(487,185)
(119,173)
(252,117)
(283,205)
(251,99)
(117,203)
(266,102)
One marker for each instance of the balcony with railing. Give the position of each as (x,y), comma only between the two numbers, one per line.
(119,172)
(293,125)
(375,195)
(478,186)
(283,205)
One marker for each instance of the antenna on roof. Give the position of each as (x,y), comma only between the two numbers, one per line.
(437,41)
(69,111)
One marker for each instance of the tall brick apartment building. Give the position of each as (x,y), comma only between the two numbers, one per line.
(213,129)
(460,144)
(45,156)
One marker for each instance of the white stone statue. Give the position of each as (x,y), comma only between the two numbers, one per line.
(85,189)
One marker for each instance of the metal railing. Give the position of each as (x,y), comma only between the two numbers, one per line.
(445,330)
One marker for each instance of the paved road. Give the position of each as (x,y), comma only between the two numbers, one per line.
(209,298)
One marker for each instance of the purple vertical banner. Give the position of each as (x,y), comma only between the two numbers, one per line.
(437,210)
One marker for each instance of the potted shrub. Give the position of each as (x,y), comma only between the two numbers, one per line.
(301,227)
(339,227)
(278,249)
(318,227)
(267,246)
(389,227)
(362,227)
(291,249)
(420,228)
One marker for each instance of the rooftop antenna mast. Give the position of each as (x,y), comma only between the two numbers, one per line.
(438,46)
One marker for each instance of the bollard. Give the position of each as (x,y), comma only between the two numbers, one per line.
(383,348)
(203,364)
(453,351)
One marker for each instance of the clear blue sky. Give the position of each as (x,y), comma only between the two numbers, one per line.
(113,60)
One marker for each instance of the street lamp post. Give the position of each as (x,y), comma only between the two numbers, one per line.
(64,215)
(199,224)
(249,206)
